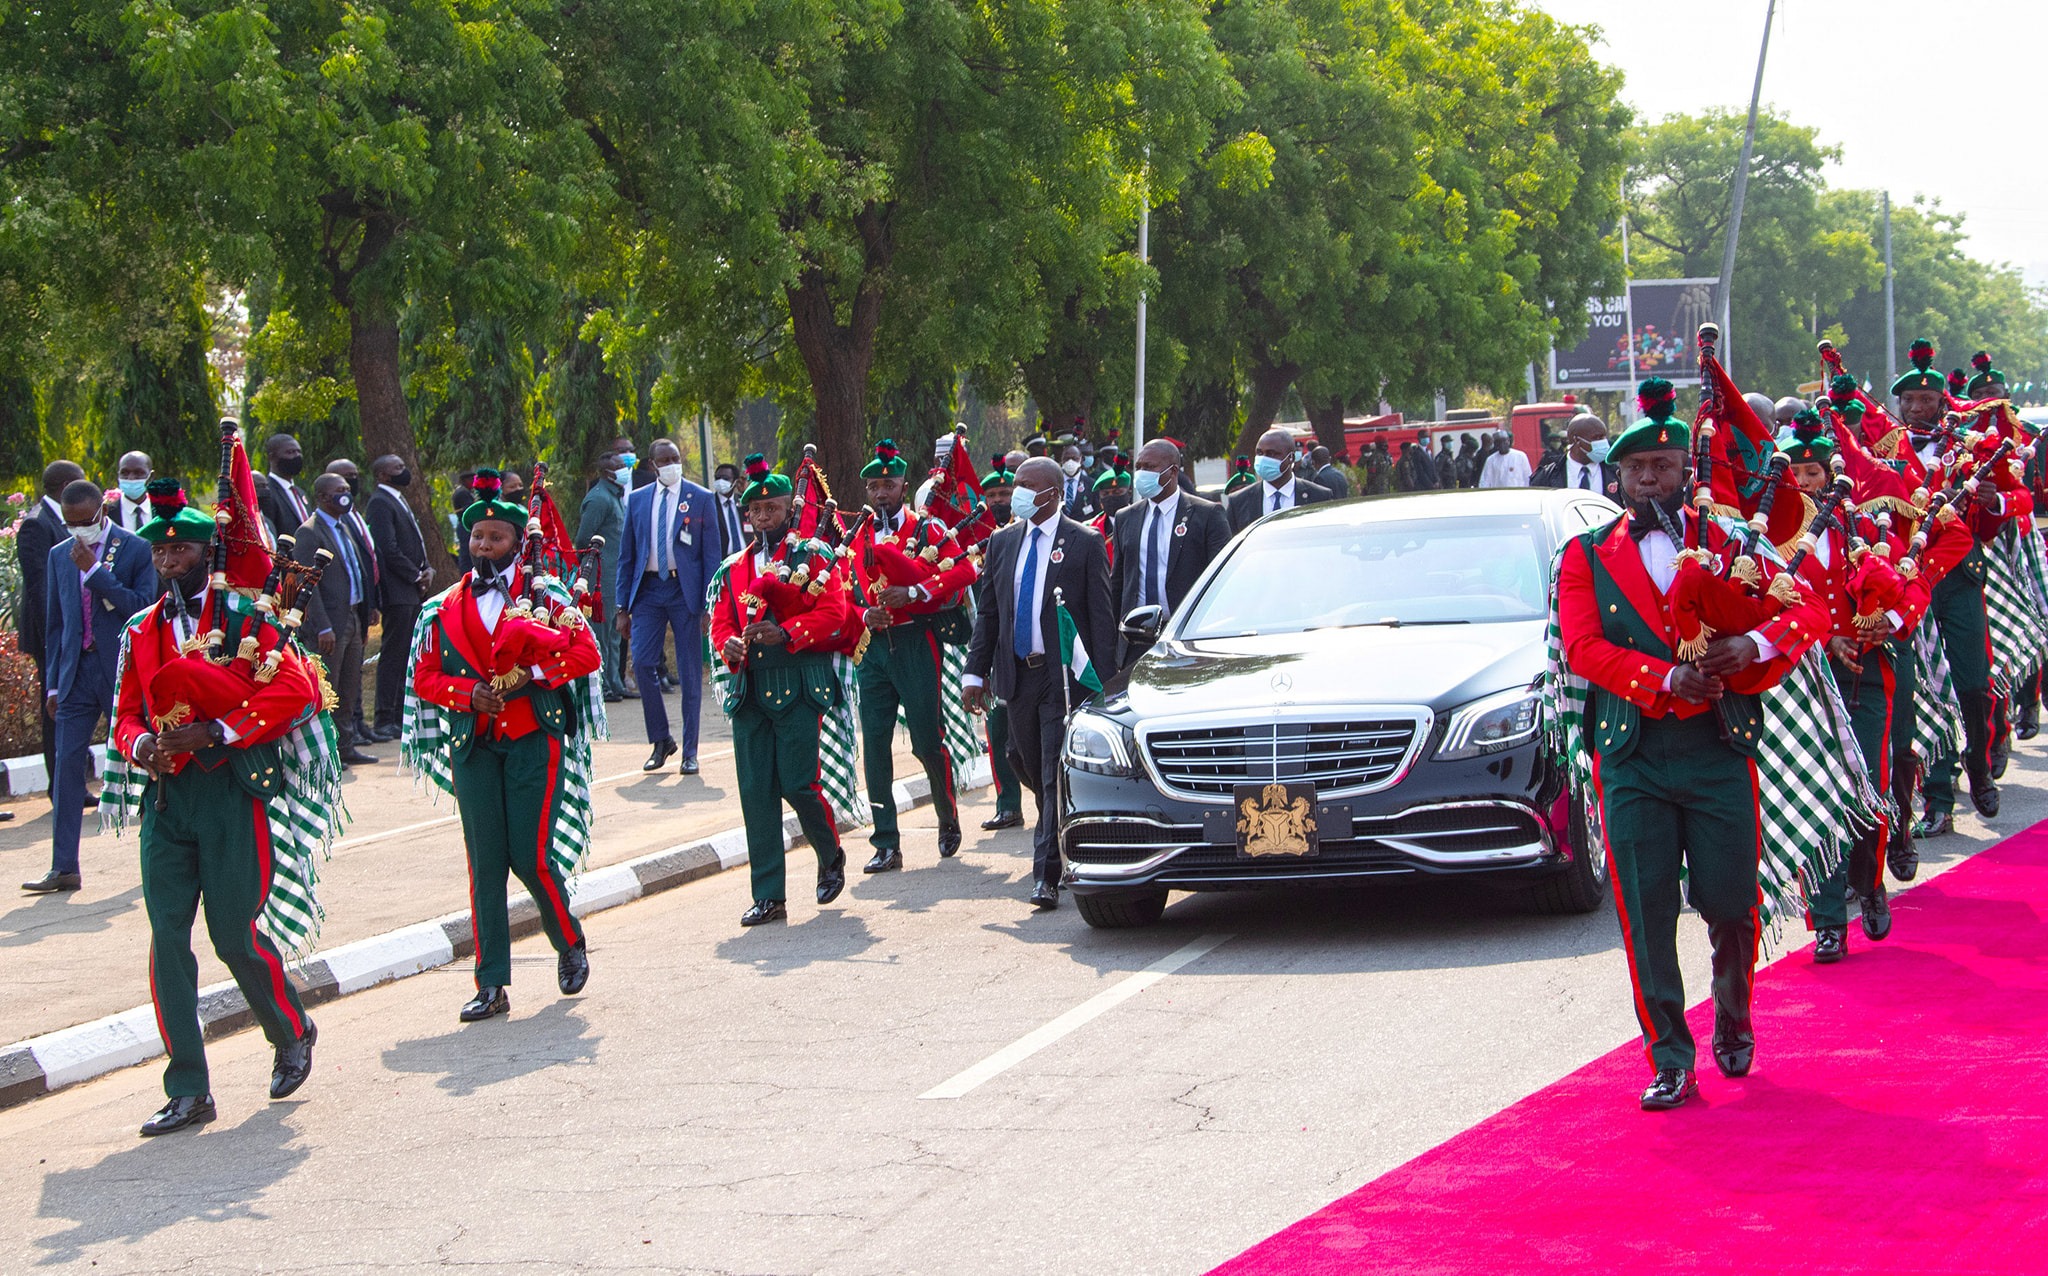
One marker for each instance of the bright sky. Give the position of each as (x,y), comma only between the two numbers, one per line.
(1843,68)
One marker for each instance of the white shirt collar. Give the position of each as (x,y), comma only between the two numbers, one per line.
(386,487)
(1168,505)
(1285,489)
(55,508)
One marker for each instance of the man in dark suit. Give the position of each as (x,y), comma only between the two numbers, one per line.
(603,514)
(94,581)
(1164,540)
(284,506)
(1015,655)
(732,522)
(666,560)
(38,531)
(1077,487)
(340,611)
(1277,488)
(1583,463)
(1324,472)
(403,581)
(130,507)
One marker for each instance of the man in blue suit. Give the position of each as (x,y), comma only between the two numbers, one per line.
(667,556)
(93,581)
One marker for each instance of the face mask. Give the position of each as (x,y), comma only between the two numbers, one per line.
(628,460)
(1670,505)
(89,533)
(290,467)
(193,583)
(342,500)
(1598,451)
(1070,468)
(352,488)
(1147,483)
(1114,501)
(133,489)
(489,569)
(722,486)
(1267,468)
(402,479)
(669,475)
(1024,503)
(999,511)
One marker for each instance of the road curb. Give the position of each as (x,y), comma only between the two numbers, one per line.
(67,1056)
(23,776)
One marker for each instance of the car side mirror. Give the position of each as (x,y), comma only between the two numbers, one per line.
(1143,625)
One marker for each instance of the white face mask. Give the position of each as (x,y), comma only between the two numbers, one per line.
(1070,468)
(89,533)
(722,486)
(670,475)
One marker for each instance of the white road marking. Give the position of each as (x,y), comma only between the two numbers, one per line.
(1038,1039)
(403,829)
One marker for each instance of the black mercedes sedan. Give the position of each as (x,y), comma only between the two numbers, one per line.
(1349,692)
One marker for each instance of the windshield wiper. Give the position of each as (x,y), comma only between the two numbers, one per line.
(1391,622)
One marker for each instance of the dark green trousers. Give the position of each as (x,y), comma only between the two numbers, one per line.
(775,731)
(1009,793)
(509,792)
(1870,696)
(1682,798)
(902,667)
(209,845)
(1958,610)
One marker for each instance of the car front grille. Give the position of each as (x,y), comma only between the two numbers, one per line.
(1337,757)
(1114,842)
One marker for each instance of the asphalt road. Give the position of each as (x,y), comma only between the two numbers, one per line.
(722,1100)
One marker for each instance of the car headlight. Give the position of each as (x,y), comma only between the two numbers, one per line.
(1490,725)
(1098,744)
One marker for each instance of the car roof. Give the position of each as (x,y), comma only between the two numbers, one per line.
(1550,502)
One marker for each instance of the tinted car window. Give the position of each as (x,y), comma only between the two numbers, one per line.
(1287,579)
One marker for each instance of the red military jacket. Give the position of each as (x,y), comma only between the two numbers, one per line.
(459,655)
(265,713)
(922,553)
(1638,676)
(814,604)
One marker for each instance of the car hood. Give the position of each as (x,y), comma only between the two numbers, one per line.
(1440,666)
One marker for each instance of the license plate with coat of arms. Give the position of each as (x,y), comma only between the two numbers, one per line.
(1275,818)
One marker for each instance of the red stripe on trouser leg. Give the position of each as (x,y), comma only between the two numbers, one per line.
(563,920)
(1756,910)
(1628,939)
(271,961)
(154,1004)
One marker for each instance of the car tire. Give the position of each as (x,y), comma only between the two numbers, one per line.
(1580,886)
(1121,911)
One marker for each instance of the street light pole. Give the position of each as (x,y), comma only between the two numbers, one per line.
(1144,258)
(1891,316)
(1742,181)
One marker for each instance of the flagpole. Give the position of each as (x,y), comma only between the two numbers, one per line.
(1144,258)
(1059,604)
(1742,182)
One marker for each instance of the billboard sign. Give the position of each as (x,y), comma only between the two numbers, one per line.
(1647,333)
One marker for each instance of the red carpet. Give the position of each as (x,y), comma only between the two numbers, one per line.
(1897,1122)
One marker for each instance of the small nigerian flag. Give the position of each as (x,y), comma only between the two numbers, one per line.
(1073,653)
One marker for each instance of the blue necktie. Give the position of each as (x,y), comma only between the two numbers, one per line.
(348,557)
(666,562)
(1152,559)
(1020,636)
(1276,498)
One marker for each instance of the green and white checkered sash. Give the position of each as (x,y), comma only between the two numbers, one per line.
(1815,794)
(839,736)
(1937,712)
(2013,607)
(423,744)
(305,816)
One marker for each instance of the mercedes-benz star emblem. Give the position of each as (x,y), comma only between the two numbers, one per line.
(1282,682)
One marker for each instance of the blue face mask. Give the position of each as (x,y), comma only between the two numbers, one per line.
(629,460)
(1146,483)
(1599,451)
(1267,468)
(133,489)
(1023,503)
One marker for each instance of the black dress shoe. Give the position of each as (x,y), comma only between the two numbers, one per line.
(1830,945)
(612,697)
(1877,915)
(293,1063)
(764,910)
(832,878)
(2030,724)
(1985,798)
(688,766)
(385,735)
(1930,825)
(352,756)
(1671,1089)
(1045,898)
(668,683)
(663,751)
(2000,757)
(489,1000)
(1004,820)
(572,969)
(186,1109)
(949,842)
(52,882)
(89,803)
(630,693)
(884,862)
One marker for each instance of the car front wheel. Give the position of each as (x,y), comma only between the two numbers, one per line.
(1582,884)
(1121,911)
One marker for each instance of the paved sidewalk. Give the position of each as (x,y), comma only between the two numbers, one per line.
(77,957)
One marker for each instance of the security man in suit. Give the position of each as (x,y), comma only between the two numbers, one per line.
(500,658)
(403,582)
(1015,655)
(996,488)
(1582,466)
(339,611)
(909,576)
(1278,488)
(1077,486)
(1164,541)
(278,495)
(36,534)
(666,560)
(781,608)
(603,515)
(1673,744)
(94,581)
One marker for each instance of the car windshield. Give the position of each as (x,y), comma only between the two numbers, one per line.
(1288,577)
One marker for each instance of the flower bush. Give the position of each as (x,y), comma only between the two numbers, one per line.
(21,698)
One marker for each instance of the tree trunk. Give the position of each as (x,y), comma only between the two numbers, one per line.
(386,424)
(839,356)
(1328,419)
(1269,387)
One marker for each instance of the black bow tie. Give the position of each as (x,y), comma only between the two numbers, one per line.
(502,583)
(1640,525)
